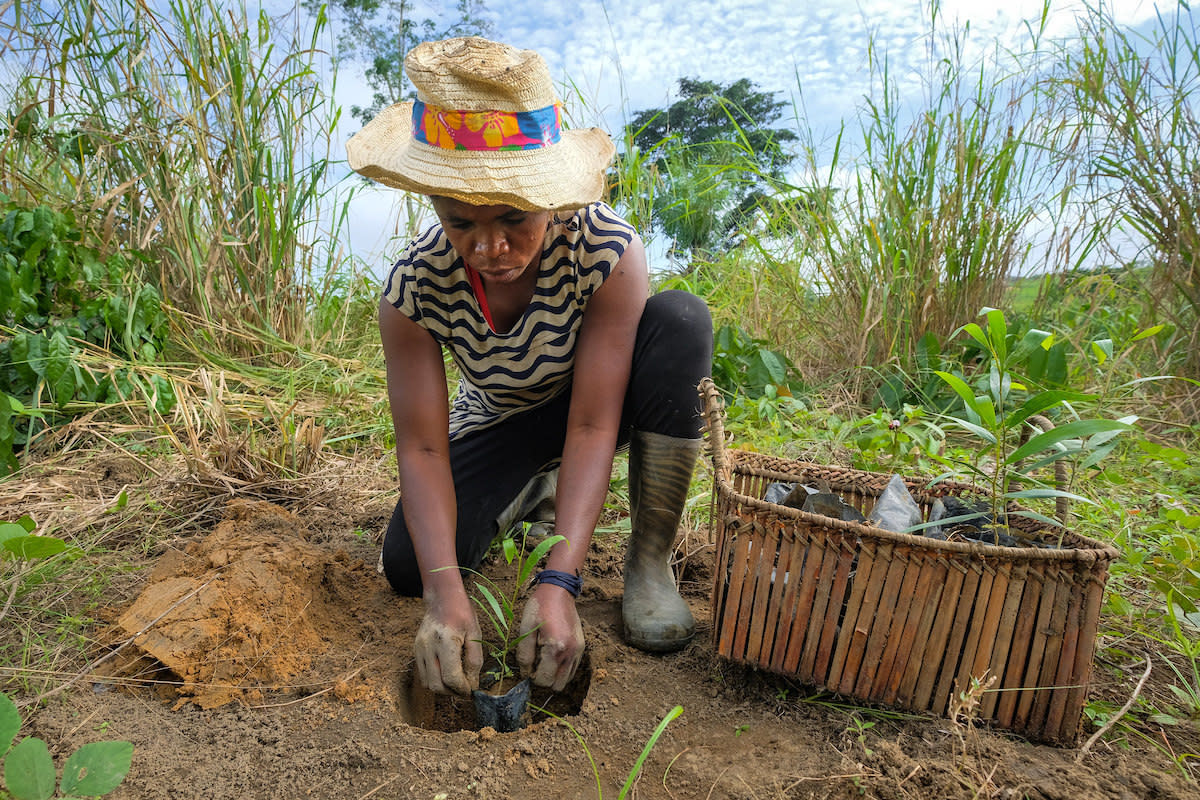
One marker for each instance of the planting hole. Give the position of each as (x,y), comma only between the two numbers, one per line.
(451,713)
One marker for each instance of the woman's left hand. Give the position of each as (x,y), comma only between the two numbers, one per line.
(554,640)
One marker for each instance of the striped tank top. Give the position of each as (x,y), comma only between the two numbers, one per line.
(505,373)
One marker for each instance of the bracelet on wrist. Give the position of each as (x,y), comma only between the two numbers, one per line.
(573,584)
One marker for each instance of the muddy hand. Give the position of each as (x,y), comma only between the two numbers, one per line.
(554,640)
(448,653)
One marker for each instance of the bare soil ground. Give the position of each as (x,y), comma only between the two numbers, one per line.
(264,657)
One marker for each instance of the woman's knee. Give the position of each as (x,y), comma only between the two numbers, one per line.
(681,315)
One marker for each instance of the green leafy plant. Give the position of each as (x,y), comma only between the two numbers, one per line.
(884,439)
(94,769)
(747,365)
(858,728)
(1000,409)
(59,298)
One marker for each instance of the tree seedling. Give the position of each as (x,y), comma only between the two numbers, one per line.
(999,410)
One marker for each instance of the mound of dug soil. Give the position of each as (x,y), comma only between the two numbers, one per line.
(244,611)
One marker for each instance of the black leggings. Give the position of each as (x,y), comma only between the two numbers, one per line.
(672,353)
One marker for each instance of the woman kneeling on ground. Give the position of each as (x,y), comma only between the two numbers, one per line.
(540,293)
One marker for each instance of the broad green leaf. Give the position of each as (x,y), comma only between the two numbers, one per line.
(1033,341)
(1119,605)
(1097,453)
(997,332)
(976,333)
(97,768)
(981,406)
(1072,430)
(60,369)
(29,770)
(1102,349)
(29,547)
(10,722)
(11,530)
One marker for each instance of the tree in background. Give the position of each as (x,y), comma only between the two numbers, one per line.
(378,33)
(716,156)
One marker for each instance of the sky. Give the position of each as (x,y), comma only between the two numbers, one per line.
(616,57)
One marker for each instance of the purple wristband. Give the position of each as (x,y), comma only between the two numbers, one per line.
(564,580)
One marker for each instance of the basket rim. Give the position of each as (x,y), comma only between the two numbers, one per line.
(723,462)
(1094,551)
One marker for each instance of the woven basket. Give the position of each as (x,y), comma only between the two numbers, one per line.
(896,619)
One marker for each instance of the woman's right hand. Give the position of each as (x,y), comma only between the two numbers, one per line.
(447,649)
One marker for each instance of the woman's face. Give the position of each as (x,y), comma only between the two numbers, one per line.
(500,242)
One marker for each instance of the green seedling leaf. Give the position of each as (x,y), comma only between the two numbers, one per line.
(976,333)
(1072,430)
(980,405)
(534,557)
(653,740)
(10,722)
(1033,515)
(1039,494)
(943,521)
(997,331)
(29,770)
(97,768)
(978,430)
(497,610)
(509,546)
(30,547)
(1044,401)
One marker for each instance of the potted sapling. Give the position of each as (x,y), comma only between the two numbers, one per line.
(1005,415)
(503,696)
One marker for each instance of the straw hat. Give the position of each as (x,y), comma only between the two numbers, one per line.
(485,130)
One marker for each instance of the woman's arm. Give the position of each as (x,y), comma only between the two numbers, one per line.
(416,379)
(603,358)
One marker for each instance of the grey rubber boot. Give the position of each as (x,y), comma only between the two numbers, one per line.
(660,471)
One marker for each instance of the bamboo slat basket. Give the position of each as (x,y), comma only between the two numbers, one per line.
(896,619)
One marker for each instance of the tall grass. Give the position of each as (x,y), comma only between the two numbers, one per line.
(1136,136)
(196,133)
(909,228)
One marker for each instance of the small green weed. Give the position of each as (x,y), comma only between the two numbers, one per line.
(637,765)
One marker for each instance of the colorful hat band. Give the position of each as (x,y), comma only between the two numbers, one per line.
(486,130)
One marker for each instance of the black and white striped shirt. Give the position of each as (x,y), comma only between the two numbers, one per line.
(504,373)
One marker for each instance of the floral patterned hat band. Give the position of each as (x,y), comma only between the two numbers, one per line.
(486,130)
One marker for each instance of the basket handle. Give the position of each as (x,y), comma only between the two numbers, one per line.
(712,408)
(1062,505)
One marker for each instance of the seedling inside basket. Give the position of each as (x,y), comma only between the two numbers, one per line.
(1000,409)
